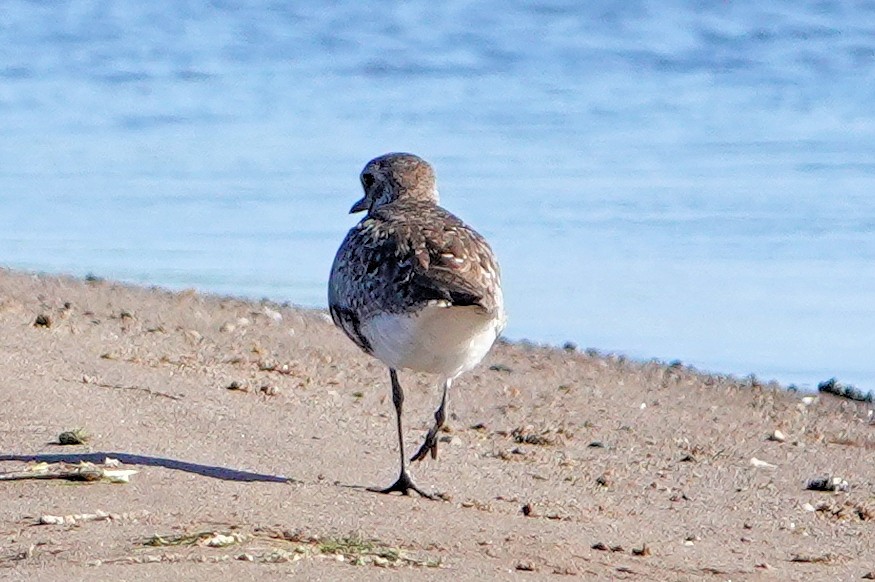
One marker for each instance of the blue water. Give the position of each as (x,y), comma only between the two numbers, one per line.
(689,180)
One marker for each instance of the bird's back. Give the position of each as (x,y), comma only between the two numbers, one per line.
(410,270)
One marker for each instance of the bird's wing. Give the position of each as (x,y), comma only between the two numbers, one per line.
(452,262)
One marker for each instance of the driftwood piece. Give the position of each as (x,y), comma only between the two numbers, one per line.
(88,472)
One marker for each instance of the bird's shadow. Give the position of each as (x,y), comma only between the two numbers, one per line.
(212,471)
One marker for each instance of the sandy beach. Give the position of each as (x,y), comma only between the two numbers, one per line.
(255,428)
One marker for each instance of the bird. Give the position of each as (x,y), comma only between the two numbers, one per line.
(415,287)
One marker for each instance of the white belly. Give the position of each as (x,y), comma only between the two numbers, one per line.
(439,340)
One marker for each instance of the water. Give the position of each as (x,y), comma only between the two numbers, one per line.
(689,180)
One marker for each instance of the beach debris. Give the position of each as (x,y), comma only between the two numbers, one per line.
(811,559)
(269,390)
(833,386)
(193,336)
(98,515)
(777,436)
(849,510)
(272,313)
(760,464)
(77,436)
(210,539)
(42,320)
(831,484)
(238,386)
(603,547)
(220,540)
(88,472)
(643,551)
(527,435)
(500,368)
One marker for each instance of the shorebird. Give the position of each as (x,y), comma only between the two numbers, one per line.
(415,287)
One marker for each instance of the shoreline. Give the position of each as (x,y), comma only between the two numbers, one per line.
(807,387)
(554,462)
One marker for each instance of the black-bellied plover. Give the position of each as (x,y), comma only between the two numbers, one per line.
(415,287)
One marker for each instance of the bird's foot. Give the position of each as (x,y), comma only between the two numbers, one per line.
(403,485)
(429,445)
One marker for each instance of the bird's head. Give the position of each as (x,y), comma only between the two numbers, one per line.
(396,176)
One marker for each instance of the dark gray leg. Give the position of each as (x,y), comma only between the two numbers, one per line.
(405,483)
(430,445)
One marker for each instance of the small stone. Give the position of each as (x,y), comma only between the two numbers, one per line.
(227,327)
(808,507)
(778,436)
(525,567)
(42,320)
(834,484)
(272,313)
(193,336)
(77,436)
(235,385)
(528,509)
(269,390)
(643,551)
(759,464)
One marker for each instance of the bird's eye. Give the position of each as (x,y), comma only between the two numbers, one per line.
(368,180)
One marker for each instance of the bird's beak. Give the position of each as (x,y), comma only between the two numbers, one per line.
(359,206)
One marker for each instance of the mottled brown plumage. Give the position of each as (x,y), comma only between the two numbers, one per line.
(413,285)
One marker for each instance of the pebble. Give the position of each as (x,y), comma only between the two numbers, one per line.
(761,464)
(835,484)
(778,436)
(42,320)
(273,314)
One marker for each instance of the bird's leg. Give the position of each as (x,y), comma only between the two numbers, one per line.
(405,483)
(430,444)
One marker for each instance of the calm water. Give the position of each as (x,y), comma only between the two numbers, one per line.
(688,180)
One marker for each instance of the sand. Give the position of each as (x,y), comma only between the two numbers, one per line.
(255,429)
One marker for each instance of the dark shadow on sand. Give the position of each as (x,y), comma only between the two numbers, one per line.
(130,459)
